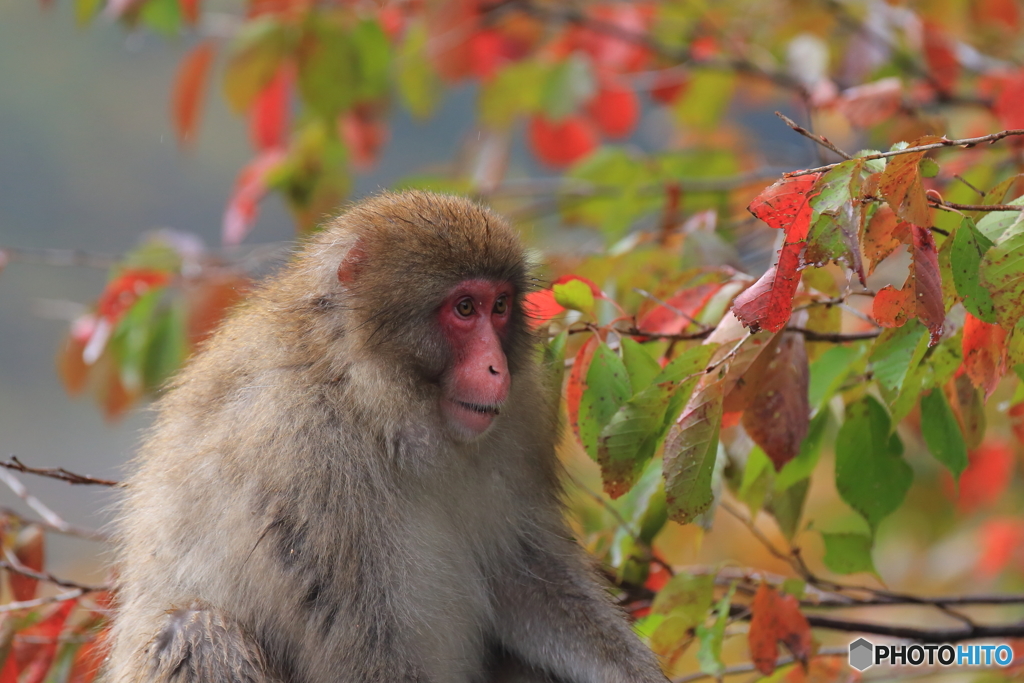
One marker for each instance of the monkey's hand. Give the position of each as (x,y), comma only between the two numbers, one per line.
(200,645)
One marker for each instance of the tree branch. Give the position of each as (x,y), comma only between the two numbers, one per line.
(56,473)
(52,518)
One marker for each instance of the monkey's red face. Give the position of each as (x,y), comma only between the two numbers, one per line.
(475,319)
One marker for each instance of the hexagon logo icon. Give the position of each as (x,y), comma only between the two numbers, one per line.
(861,654)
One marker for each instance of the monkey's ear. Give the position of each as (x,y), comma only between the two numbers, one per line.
(352,265)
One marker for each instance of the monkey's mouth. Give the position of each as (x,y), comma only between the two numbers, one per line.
(491,410)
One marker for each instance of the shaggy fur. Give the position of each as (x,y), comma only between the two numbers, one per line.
(301,514)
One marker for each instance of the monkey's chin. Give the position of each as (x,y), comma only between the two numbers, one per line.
(469,419)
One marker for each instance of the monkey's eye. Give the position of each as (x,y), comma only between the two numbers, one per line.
(501,305)
(465,308)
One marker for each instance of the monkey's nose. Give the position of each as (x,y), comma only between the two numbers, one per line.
(491,369)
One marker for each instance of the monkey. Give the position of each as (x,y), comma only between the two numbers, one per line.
(355,479)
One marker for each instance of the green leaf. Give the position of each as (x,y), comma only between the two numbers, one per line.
(255,55)
(871,475)
(928,167)
(848,553)
(167,347)
(787,506)
(373,59)
(131,339)
(643,511)
(515,90)
(995,224)
(896,352)
(969,247)
(607,389)
(640,364)
(163,16)
(706,99)
(686,595)
(802,466)
(575,294)
(553,362)
(710,652)
(830,371)
(568,85)
(690,454)
(757,480)
(618,180)
(1002,274)
(418,84)
(942,432)
(326,67)
(85,10)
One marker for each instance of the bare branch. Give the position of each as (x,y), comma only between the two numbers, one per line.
(56,473)
(751,668)
(818,139)
(51,518)
(11,564)
(39,602)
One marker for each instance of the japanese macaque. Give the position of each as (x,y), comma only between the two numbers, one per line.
(355,480)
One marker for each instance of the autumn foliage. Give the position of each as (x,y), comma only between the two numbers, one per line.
(738,322)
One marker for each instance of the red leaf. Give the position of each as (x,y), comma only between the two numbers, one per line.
(36,649)
(780,413)
(189,86)
(1009,105)
(872,103)
(560,143)
(576,383)
(984,348)
(89,659)
(902,187)
(488,53)
(250,187)
(669,84)
(768,303)
(1002,13)
(940,55)
(612,51)
(209,298)
(615,109)
(9,671)
(921,296)
(268,118)
(1016,415)
(1001,541)
(540,307)
(29,549)
(987,475)
(679,310)
(776,618)
(122,292)
(365,133)
(451,25)
(786,205)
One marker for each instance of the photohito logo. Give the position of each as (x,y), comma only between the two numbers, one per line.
(864,654)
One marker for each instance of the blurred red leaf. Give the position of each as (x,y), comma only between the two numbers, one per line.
(776,618)
(243,206)
(541,307)
(122,292)
(365,133)
(986,477)
(1009,105)
(89,658)
(1004,13)
(1016,415)
(576,383)
(209,298)
(189,11)
(768,303)
(921,296)
(902,187)
(615,109)
(29,549)
(189,87)
(940,56)
(780,412)
(560,143)
(1000,540)
(488,52)
(36,646)
(669,84)
(612,51)
(679,310)
(451,26)
(71,366)
(872,103)
(984,348)
(9,671)
(268,118)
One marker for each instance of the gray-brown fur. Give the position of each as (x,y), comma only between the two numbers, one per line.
(300,514)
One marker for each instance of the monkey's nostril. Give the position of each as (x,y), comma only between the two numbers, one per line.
(492,370)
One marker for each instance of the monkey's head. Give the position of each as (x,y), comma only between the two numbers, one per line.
(429,290)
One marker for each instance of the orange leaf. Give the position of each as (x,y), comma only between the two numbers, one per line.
(29,549)
(872,103)
(189,11)
(615,109)
(36,649)
(268,118)
(883,233)
(776,618)
(1002,13)
(988,473)
(122,292)
(984,348)
(902,187)
(780,413)
(678,311)
(540,307)
(921,296)
(1000,541)
(189,86)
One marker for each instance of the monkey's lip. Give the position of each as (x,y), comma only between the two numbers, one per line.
(474,418)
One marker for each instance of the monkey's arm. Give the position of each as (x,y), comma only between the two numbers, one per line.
(553,614)
(200,645)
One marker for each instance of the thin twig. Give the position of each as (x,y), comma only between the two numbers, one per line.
(39,602)
(967,143)
(819,139)
(11,564)
(56,473)
(48,515)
